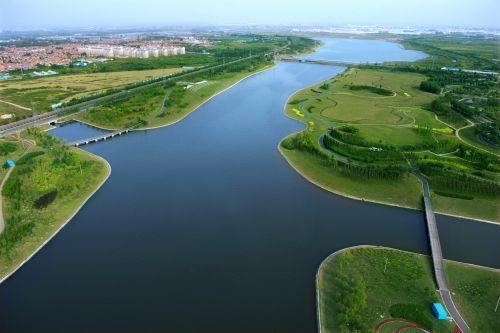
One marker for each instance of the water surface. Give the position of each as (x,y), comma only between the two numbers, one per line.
(361,51)
(204,227)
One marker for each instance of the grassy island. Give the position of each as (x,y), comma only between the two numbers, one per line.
(367,289)
(48,185)
(367,128)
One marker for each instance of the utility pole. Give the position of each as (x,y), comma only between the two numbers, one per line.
(496,307)
(385,266)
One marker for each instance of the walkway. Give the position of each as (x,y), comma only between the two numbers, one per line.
(4,180)
(101,137)
(16,105)
(437,258)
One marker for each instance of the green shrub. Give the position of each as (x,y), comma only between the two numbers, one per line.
(7,147)
(414,312)
(29,156)
(45,200)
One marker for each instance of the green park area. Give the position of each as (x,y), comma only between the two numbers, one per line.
(42,92)
(369,129)
(49,182)
(375,289)
(172,101)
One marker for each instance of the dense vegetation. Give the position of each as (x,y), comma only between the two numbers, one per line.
(372,89)
(42,191)
(165,102)
(360,287)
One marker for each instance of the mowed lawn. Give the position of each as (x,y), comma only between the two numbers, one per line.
(48,90)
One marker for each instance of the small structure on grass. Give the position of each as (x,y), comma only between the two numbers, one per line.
(439,311)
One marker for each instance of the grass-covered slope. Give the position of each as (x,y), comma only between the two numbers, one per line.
(363,287)
(366,128)
(47,186)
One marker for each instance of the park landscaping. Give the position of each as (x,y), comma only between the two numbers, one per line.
(47,186)
(168,103)
(368,129)
(363,288)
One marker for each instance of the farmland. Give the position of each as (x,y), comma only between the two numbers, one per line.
(45,91)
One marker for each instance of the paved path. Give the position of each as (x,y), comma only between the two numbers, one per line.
(437,258)
(16,105)
(4,180)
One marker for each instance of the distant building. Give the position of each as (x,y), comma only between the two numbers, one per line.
(56,106)
(453,69)
(439,311)
(80,63)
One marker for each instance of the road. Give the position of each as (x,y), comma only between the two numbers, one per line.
(53,116)
(437,258)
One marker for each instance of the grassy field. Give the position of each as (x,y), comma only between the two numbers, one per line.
(45,91)
(379,120)
(145,108)
(360,287)
(476,291)
(46,187)
(405,192)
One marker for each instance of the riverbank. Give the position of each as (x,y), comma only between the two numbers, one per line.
(20,242)
(387,283)
(164,107)
(392,122)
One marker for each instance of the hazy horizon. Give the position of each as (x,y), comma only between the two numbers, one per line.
(33,14)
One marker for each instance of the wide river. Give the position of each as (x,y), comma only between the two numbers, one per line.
(204,227)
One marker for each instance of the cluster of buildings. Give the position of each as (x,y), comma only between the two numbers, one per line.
(131,51)
(27,57)
(30,57)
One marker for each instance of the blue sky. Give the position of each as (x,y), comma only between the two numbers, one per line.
(28,14)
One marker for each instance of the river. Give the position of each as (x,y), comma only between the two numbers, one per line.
(204,227)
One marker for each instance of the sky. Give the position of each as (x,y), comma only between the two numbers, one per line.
(41,14)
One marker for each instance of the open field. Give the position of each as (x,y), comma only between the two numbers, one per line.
(44,190)
(369,126)
(362,287)
(45,91)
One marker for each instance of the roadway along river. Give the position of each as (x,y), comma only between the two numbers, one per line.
(204,227)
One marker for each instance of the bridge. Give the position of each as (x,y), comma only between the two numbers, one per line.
(102,137)
(319,62)
(437,258)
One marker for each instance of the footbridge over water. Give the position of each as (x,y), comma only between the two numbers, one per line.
(98,138)
(437,258)
(319,62)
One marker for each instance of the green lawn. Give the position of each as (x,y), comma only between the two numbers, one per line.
(405,192)
(46,187)
(362,286)
(400,127)
(476,292)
